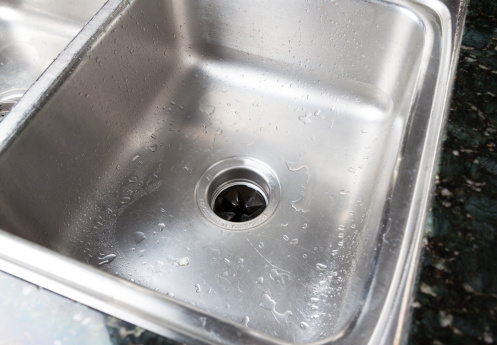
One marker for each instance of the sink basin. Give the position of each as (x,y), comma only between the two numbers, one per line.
(233,172)
(32,34)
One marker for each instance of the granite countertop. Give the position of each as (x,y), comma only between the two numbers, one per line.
(456,293)
(456,298)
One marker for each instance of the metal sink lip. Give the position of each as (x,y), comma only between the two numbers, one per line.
(50,79)
(185,322)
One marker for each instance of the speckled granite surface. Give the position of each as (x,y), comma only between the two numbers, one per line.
(456,297)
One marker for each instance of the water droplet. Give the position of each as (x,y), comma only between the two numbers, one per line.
(261,244)
(341,227)
(344,192)
(185,261)
(260,280)
(138,236)
(133,179)
(269,304)
(172,103)
(364,131)
(315,299)
(245,321)
(205,125)
(278,276)
(317,112)
(105,259)
(294,241)
(352,170)
(197,288)
(304,325)
(141,253)
(304,256)
(208,109)
(135,157)
(285,237)
(304,226)
(153,148)
(306,119)
(161,226)
(240,260)
(219,131)
(321,267)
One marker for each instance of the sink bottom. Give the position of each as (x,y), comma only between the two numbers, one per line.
(293,263)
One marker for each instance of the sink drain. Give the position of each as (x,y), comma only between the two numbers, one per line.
(238,193)
(240,202)
(8,100)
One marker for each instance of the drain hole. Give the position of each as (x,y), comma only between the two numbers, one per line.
(8,100)
(239,203)
(238,193)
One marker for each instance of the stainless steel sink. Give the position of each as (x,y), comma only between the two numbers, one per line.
(232,171)
(32,34)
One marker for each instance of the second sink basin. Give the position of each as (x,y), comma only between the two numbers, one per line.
(32,34)
(268,163)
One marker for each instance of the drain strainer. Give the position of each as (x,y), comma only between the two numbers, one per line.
(238,193)
(240,202)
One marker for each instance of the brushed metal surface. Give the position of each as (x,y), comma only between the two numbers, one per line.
(342,100)
(32,34)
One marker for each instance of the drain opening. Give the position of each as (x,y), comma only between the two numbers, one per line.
(238,193)
(8,100)
(239,202)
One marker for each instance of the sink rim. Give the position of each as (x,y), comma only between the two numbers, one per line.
(14,260)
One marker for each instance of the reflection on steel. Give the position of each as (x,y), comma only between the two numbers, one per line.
(32,34)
